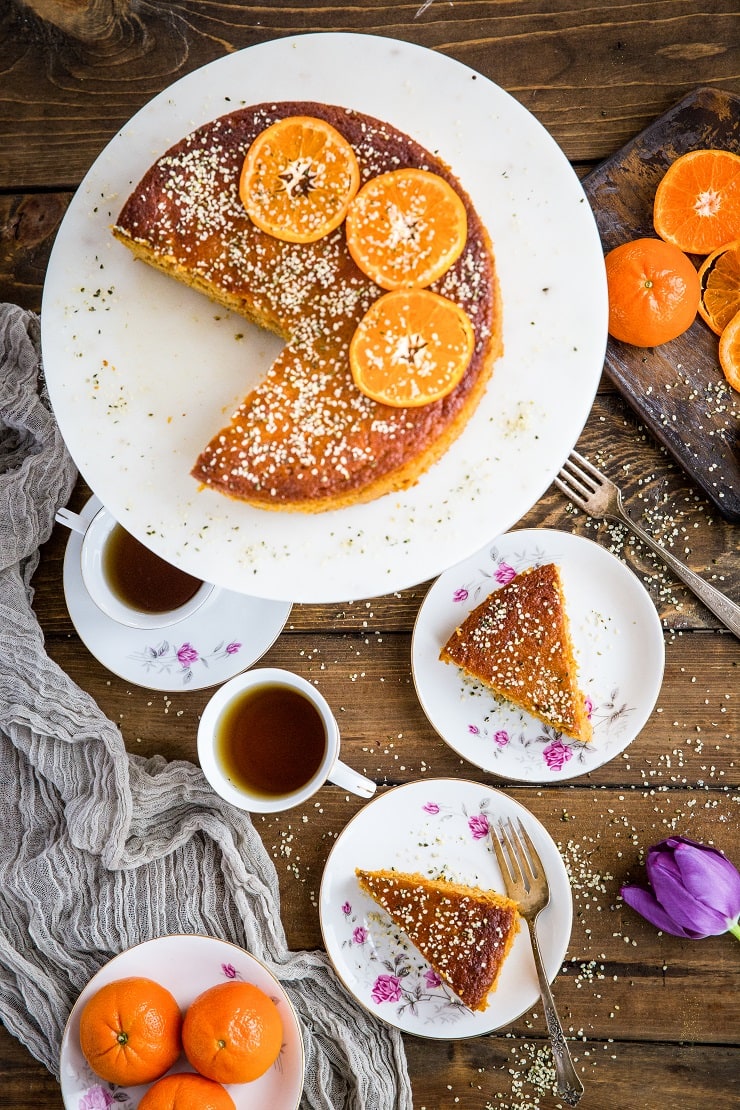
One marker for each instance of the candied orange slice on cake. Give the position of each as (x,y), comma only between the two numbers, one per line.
(719,281)
(411,347)
(406,228)
(697,202)
(298,178)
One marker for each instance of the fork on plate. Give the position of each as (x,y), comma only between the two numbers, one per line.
(526,884)
(593,492)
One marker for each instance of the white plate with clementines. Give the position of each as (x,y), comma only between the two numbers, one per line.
(186,965)
(142,370)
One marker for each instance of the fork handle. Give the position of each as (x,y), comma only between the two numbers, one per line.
(570,1087)
(718,603)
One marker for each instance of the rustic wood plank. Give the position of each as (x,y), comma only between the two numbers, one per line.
(629,63)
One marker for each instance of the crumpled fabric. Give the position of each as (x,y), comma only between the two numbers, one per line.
(101,849)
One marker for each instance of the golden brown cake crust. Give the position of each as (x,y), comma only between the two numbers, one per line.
(464,932)
(517,642)
(306,437)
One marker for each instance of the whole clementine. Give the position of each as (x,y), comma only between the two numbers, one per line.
(232,1032)
(186,1091)
(130,1031)
(653,292)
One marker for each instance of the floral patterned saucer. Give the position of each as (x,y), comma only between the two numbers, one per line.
(229,633)
(434,826)
(186,965)
(619,651)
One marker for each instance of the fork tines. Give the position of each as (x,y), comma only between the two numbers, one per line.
(516,854)
(578,475)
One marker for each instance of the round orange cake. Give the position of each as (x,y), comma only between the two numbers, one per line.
(306,438)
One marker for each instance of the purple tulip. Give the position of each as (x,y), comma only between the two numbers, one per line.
(695,890)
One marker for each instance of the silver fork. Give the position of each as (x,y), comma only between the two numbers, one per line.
(526,883)
(593,492)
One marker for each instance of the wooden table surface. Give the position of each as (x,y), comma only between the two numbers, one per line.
(652,1020)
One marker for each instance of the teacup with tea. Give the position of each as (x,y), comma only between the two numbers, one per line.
(268,740)
(129,582)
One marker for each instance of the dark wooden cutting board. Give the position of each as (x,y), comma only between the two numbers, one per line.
(678,389)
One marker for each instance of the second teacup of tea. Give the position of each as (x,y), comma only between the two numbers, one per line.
(267,741)
(132,584)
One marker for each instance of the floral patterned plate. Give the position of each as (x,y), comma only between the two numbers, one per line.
(619,650)
(434,826)
(186,965)
(226,635)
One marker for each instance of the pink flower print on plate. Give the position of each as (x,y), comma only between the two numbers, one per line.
(97,1098)
(504,573)
(556,755)
(460,594)
(359,934)
(430,807)
(478,825)
(501,737)
(386,988)
(347,909)
(431,979)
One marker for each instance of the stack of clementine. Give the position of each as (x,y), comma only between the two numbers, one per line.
(132,1032)
(654,289)
(404,230)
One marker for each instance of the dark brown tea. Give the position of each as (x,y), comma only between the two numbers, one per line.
(270,740)
(140,579)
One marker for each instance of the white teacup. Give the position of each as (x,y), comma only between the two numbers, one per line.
(254,734)
(96,576)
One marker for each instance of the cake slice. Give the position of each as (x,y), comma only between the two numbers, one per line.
(465,933)
(517,642)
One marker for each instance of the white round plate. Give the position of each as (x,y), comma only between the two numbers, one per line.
(186,966)
(618,646)
(226,635)
(142,370)
(433,826)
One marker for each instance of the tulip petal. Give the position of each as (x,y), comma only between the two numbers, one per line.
(709,876)
(683,908)
(648,906)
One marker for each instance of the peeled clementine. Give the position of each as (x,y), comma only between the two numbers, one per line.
(406,228)
(130,1031)
(697,202)
(232,1032)
(298,178)
(653,292)
(186,1091)
(410,348)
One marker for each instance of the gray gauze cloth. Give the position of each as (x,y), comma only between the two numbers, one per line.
(100,849)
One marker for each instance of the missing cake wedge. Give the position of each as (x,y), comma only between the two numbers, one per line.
(465,933)
(517,642)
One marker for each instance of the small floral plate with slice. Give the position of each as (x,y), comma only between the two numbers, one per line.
(226,635)
(618,647)
(186,966)
(440,828)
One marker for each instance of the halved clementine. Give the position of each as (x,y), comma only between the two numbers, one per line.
(406,228)
(719,281)
(697,202)
(298,178)
(729,352)
(411,347)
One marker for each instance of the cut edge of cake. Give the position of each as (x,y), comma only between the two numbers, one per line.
(517,642)
(464,932)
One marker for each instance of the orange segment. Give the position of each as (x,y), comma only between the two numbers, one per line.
(298,178)
(406,228)
(697,203)
(729,352)
(411,347)
(719,280)
(653,292)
